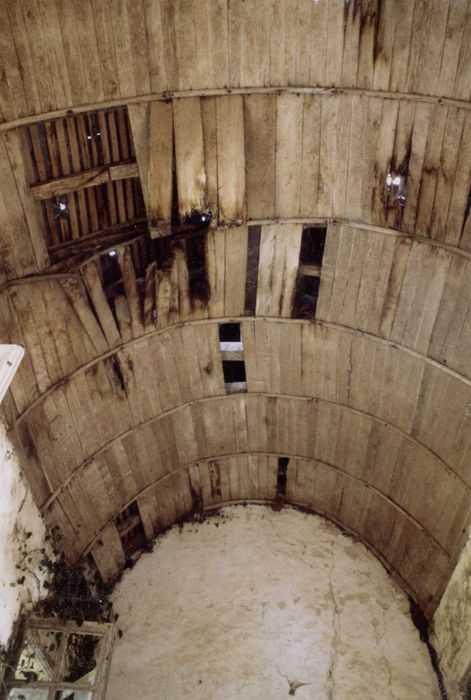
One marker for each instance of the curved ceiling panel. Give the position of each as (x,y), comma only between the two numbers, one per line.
(58,56)
(351,117)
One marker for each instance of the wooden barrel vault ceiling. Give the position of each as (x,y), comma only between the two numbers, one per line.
(312,345)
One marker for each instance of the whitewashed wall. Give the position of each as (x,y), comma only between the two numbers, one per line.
(20,552)
(451,630)
(254,604)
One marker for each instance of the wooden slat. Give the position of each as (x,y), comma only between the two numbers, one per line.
(159,175)
(189,155)
(279,258)
(260,136)
(231,159)
(105,317)
(88,178)
(30,208)
(289,154)
(108,554)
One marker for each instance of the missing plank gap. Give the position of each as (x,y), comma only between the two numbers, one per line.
(312,245)
(234,376)
(282,477)
(197,268)
(253,255)
(230,339)
(130,529)
(305,297)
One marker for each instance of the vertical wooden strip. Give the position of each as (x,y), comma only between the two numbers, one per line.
(260,144)
(189,155)
(231,158)
(159,175)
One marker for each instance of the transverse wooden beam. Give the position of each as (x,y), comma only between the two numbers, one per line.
(87,178)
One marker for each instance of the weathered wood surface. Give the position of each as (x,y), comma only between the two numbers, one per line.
(253,157)
(61,54)
(410,293)
(381,486)
(87,178)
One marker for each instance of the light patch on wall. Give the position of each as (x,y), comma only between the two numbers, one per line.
(22,536)
(10,358)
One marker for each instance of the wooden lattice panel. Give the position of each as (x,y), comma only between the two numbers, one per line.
(96,147)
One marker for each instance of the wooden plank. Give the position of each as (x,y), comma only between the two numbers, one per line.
(159,182)
(328,151)
(383,30)
(310,174)
(289,142)
(418,45)
(25,59)
(319,37)
(179,28)
(446,178)
(12,94)
(189,156)
(456,224)
(431,168)
(352,21)
(101,12)
(105,318)
(400,156)
(31,210)
(231,159)
(450,336)
(423,113)
(260,136)
(92,53)
(434,53)
(130,288)
(39,54)
(108,554)
(208,113)
(382,164)
(283,43)
(212,63)
(334,44)
(235,265)
(155,46)
(279,258)
(52,37)
(138,47)
(216,266)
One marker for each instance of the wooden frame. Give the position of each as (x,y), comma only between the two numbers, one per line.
(95,689)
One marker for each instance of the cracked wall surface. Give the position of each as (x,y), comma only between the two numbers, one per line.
(255,603)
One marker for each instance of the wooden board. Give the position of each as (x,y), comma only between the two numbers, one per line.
(159,175)
(189,156)
(231,159)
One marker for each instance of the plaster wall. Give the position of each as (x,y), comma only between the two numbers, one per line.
(22,536)
(451,628)
(258,604)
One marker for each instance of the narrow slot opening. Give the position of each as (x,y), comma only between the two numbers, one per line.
(197,268)
(282,476)
(253,255)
